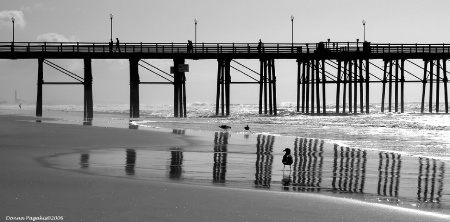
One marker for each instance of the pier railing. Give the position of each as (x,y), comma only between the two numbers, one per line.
(221,48)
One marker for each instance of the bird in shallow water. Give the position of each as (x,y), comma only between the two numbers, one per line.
(287,158)
(225,127)
(247,128)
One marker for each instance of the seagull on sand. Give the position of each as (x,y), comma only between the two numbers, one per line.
(247,128)
(287,158)
(225,127)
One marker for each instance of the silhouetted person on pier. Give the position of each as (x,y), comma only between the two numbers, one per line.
(117,44)
(287,158)
(190,47)
(259,46)
(111,46)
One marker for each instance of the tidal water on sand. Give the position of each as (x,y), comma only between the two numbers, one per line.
(253,161)
(388,158)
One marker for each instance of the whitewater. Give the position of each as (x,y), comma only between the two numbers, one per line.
(410,133)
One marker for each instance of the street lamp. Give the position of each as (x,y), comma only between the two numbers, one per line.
(195,40)
(13,19)
(111,16)
(292,37)
(195,21)
(364,24)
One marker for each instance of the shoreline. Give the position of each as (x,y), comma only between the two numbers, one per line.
(233,190)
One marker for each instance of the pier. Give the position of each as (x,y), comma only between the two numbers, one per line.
(347,65)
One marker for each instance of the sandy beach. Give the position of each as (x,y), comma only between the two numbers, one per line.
(31,187)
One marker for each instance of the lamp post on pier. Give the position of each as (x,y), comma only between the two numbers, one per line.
(292,32)
(13,19)
(111,16)
(195,40)
(364,24)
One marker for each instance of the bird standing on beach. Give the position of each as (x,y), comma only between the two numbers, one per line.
(225,127)
(287,158)
(247,128)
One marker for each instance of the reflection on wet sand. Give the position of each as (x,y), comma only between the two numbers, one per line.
(176,164)
(264,160)
(220,157)
(132,125)
(430,181)
(318,167)
(286,180)
(130,161)
(389,174)
(84,160)
(349,176)
(308,162)
(178,131)
(87,122)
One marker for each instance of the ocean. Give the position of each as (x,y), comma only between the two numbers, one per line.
(410,133)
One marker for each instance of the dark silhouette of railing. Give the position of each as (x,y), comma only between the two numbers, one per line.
(221,48)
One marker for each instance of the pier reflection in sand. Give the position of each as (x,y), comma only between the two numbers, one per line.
(308,162)
(176,164)
(430,181)
(349,169)
(130,161)
(264,160)
(84,160)
(220,157)
(255,162)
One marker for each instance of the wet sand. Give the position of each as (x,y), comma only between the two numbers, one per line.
(31,187)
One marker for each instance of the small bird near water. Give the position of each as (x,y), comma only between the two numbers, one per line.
(225,127)
(287,158)
(247,128)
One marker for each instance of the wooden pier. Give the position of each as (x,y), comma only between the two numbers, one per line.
(347,65)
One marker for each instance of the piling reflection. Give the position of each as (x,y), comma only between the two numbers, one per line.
(84,160)
(132,125)
(389,174)
(220,157)
(176,164)
(308,162)
(178,131)
(264,160)
(430,181)
(130,161)
(87,122)
(286,181)
(381,176)
(349,175)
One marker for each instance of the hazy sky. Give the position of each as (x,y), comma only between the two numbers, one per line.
(158,21)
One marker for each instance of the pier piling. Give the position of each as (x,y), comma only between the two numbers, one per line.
(40,81)
(134,88)
(88,101)
(179,88)
(223,87)
(445,80)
